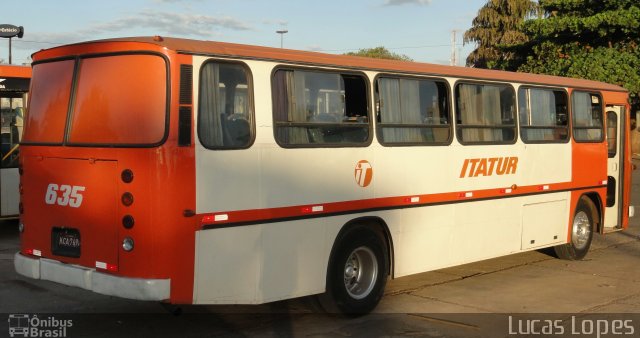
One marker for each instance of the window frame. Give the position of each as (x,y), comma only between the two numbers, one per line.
(459,126)
(569,116)
(615,136)
(378,127)
(338,71)
(250,104)
(603,114)
(71,98)
(77,68)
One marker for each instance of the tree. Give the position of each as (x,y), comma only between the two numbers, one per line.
(496,30)
(380,53)
(590,39)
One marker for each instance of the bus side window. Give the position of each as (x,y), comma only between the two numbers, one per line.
(543,115)
(225,113)
(412,111)
(319,109)
(485,113)
(587,117)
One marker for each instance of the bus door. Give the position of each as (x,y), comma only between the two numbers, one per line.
(12,113)
(615,144)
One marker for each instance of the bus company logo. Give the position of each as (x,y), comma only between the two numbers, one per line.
(474,167)
(363,173)
(23,325)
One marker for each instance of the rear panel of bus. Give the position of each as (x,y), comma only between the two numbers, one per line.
(104,184)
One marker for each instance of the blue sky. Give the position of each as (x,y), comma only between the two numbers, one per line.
(420,29)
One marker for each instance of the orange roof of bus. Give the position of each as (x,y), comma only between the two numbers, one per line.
(295,56)
(15,71)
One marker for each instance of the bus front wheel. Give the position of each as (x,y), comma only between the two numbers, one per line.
(357,273)
(581,233)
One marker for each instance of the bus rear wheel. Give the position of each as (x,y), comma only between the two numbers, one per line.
(581,233)
(357,273)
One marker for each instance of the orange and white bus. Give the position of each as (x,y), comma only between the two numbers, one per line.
(198,172)
(14,86)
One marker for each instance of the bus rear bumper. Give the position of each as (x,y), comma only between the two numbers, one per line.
(90,279)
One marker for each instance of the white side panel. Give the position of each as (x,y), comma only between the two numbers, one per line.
(9,190)
(294,264)
(262,263)
(228,264)
(545,222)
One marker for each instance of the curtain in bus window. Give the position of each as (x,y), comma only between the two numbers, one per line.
(282,102)
(390,110)
(541,113)
(211,107)
(400,105)
(480,106)
(410,103)
(299,109)
(492,113)
(587,117)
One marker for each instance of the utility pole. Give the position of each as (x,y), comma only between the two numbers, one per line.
(454,56)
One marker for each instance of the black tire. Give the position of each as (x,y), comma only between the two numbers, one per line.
(581,233)
(356,254)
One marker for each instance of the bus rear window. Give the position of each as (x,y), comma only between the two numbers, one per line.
(50,90)
(120,100)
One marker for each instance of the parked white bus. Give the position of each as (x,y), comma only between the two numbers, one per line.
(212,173)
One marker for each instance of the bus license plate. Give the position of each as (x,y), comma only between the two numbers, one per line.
(65,242)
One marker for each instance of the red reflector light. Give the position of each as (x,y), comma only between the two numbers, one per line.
(208,219)
(106,266)
(127,176)
(127,199)
(33,252)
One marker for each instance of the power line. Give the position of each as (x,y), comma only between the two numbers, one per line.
(389,48)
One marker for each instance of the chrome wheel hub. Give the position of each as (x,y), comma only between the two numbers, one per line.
(360,272)
(581,230)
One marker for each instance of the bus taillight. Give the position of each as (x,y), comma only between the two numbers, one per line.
(127,244)
(128,221)
(33,252)
(127,199)
(127,176)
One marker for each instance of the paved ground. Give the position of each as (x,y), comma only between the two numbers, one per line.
(479,299)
